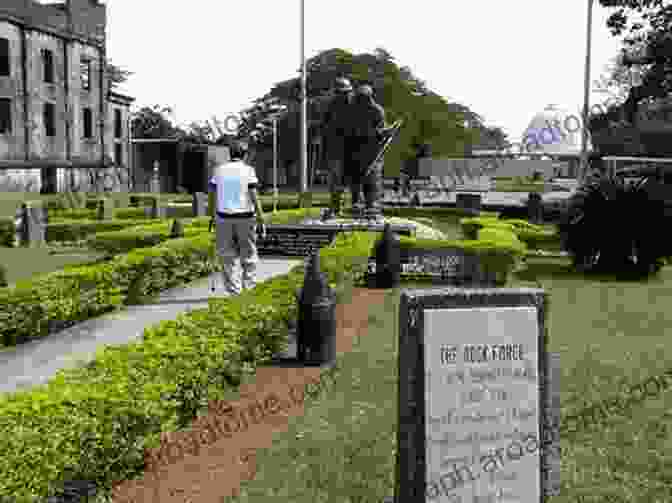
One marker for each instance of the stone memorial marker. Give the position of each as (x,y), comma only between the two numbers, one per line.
(470,203)
(105,209)
(477,398)
(446,266)
(200,204)
(33,224)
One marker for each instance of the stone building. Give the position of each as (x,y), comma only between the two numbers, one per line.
(61,126)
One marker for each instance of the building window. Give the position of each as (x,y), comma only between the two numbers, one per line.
(85,70)
(87,118)
(4,58)
(117,123)
(118,152)
(5,115)
(49,119)
(48,65)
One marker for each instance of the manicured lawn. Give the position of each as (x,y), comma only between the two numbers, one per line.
(610,336)
(24,263)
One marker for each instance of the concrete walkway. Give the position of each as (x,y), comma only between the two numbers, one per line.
(36,362)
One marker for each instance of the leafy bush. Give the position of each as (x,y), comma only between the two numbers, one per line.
(75,230)
(130,214)
(613,227)
(96,421)
(3,276)
(7,232)
(127,239)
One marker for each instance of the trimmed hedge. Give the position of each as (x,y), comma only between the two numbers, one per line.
(95,422)
(534,236)
(7,232)
(47,303)
(123,241)
(75,230)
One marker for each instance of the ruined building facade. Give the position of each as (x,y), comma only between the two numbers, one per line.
(61,127)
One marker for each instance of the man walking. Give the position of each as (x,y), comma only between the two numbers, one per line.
(238,211)
(336,130)
(368,128)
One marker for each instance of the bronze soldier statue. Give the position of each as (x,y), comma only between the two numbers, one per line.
(336,132)
(368,128)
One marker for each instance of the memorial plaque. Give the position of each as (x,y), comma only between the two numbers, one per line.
(450,266)
(474,397)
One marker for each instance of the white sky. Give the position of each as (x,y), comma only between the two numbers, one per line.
(505,60)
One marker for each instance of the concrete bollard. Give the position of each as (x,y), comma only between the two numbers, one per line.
(105,209)
(535,209)
(32,227)
(156,210)
(200,204)
(316,324)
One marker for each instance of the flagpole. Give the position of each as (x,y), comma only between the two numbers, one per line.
(304,105)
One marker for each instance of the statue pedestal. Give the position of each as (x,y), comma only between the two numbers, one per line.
(298,239)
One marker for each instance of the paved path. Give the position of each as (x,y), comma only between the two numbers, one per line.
(38,361)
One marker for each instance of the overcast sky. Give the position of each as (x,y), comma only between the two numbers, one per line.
(505,60)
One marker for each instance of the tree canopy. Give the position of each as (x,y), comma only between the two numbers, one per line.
(429,118)
(647,29)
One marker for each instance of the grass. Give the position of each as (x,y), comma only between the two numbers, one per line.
(610,335)
(342,449)
(25,263)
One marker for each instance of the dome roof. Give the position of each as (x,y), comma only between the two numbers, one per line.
(554,131)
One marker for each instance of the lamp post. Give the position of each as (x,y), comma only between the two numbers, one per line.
(275,164)
(304,106)
(586,94)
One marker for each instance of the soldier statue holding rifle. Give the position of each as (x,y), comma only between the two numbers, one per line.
(354,126)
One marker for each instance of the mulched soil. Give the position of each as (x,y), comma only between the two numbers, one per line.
(230,434)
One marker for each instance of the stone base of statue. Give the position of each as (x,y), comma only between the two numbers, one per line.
(300,239)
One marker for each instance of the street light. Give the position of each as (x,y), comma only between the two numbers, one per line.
(586,91)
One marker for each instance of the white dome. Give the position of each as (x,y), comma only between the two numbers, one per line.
(554,131)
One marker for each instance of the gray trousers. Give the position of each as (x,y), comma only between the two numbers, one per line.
(237,238)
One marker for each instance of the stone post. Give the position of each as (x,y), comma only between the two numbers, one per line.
(200,204)
(105,209)
(32,231)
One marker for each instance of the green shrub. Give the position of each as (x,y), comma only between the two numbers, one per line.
(73,214)
(127,239)
(613,227)
(177,229)
(76,230)
(116,406)
(130,214)
(7,232)
(3,276)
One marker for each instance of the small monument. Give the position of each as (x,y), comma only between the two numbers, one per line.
(479,406)
(200,204)
(155,182)
(316,330)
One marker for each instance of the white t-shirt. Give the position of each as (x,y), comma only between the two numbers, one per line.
(232,182)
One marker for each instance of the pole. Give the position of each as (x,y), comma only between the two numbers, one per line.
(304,105)
(586,95)
(275,164)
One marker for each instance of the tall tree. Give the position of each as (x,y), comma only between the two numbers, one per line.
(648,26)
(154,122)
(429,118)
